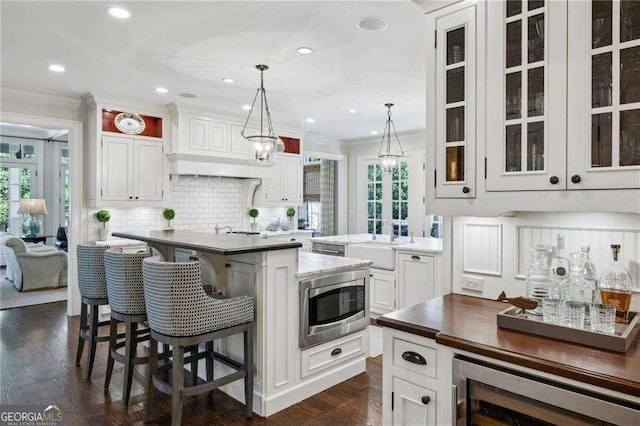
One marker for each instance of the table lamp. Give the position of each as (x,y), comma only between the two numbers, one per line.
(32,207)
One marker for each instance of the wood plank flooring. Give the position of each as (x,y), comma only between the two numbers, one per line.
(37,366)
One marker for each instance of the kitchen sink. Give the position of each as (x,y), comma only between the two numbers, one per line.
(381,253)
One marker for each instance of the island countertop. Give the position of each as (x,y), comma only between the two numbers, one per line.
(310,264)
(223,244)
(470,324)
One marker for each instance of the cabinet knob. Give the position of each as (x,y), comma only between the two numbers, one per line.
(336,351)
(130,197)
(554,180)
(575,179)
(293,239)
(227,265)
(137,198)
(466,189)
(425,400)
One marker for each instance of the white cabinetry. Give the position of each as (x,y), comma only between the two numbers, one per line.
(207,135)
(284,187)
(383,291)
(415,275)
(417,381)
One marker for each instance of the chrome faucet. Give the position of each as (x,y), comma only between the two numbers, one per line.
(220,228)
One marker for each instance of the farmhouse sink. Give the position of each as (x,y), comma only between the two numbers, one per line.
(380,253)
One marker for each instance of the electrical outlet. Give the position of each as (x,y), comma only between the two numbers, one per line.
(472,283)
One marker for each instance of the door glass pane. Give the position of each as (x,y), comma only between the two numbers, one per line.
(455,85)
(535,85)
(514,44)
(455,46)
(630,137)
(15,184)
(513,96)
(535,4)
(601,140)
(601,85)
(629,20)
(513,148)
(630,75)
(535,146)
(514,7)
(455,163)
(536,38)
(601,23)
(455,124)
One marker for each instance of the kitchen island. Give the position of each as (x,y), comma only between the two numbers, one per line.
(270,270)
(455,326)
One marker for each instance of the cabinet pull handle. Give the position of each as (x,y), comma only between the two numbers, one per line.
(414,257)
(293,239)
(425,400)
(336,351)
(554,180)
(466,189)
(227,265)
(575,179)
(414,357)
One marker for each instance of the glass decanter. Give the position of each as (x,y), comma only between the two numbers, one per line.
(589,273)
(615,287)
(559,264)
(576,288)
(538,277)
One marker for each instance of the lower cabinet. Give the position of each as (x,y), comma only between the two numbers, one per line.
(383,291)
(416,275)
(412,404)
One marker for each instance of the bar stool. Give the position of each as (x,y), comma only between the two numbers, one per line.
(93,292)
(126,297)
(181,314)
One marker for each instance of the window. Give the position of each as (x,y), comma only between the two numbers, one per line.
(15,183)
(374,199)
(400,199)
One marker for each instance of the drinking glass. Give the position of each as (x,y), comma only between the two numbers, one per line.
(603,318)
(551,310)
(573,315)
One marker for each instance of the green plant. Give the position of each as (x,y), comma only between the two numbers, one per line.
(254,214)
(103,216)
(291,212)
(168,214)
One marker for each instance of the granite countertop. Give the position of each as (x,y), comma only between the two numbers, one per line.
(470,324)
(310,264)
(284,233)
(225,244)
(118,242)
(420,244)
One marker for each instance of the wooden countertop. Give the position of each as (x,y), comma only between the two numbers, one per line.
(225,244)
(470,324)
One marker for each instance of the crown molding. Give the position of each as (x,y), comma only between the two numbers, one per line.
(91,100)
(369,139)
(42,97)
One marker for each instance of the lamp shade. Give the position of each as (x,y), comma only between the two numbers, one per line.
(32,206)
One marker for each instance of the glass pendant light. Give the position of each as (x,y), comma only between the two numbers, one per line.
(387,157)
(263,141)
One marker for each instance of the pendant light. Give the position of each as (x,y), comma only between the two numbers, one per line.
(264,142)
(387,157)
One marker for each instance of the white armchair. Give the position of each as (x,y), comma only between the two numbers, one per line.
(33,268)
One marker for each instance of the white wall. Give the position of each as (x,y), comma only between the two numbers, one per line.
(496,249)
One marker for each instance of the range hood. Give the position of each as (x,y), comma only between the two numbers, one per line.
(204,165)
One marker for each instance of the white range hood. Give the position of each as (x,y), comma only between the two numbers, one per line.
(203,165)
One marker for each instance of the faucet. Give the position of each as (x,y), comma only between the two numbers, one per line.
(220,228)
(392,236)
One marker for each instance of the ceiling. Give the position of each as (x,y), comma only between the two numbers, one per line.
(189,47)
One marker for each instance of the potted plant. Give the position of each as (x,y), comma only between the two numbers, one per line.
(103,216)
(168,215)
(291,212)
(254,214)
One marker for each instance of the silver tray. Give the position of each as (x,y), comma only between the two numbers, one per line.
(619,342)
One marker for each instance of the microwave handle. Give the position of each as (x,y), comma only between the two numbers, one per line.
(318,291)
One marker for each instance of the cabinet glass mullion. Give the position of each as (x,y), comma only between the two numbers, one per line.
(455,105)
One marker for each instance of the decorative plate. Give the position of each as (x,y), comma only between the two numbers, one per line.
(129,123)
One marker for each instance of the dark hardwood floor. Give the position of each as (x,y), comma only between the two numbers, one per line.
(37,366)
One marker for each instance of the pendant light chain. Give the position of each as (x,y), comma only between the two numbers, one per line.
(388,160)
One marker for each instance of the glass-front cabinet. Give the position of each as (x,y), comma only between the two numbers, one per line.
(456,104)
(526,95)
(604,95)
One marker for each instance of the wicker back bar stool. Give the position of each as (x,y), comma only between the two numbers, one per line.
(93,291)
(181,314)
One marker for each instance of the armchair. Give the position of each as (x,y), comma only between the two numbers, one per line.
(33,268)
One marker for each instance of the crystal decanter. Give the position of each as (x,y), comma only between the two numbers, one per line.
(615,286)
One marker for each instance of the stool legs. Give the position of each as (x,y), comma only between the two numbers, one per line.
(178,385)
(130,353)
(93,333)
(248,365)
(153,370)
(83,327)
(113,339)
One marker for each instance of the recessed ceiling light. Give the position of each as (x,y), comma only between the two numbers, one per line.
(162,90)
(187,95)
(305,50)
(372,24)
(56,68)
(118,12)
(227,80)
(246,107)
(352,111)
(311,120)
(374,132)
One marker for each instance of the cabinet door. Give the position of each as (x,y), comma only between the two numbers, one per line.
(412,404)
(415,279)
(456,104)
(273,185)
(207,135)
(604,88)
(526,95)
(383,292)
(292,177)
(148,176)
(239,145)
(117,168)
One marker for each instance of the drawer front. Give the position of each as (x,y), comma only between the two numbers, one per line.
(327,355)
(414,357)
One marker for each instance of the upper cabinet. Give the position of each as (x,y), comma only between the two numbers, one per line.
(284,187)
(537,107)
